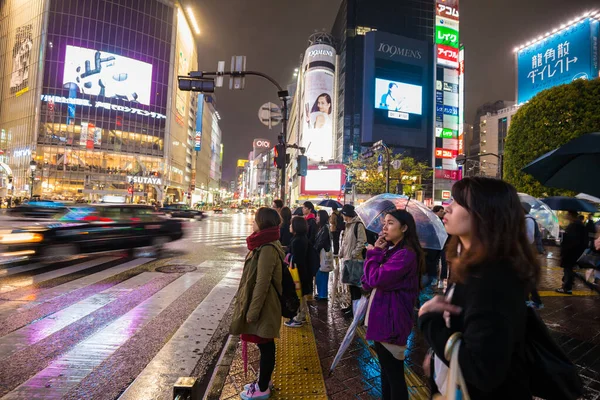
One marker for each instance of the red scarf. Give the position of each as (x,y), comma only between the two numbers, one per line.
(260,238)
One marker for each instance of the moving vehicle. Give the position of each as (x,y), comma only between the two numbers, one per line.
(38,209)
(181,210)
(90,229)
(218,210)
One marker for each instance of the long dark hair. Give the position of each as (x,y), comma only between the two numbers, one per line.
(411,239)
(286,216)
(498,229)
(323,218)
(299,226)
(315,107)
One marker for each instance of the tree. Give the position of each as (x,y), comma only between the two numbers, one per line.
(368,179)
(551,119)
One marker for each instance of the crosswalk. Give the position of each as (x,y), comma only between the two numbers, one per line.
(107,327)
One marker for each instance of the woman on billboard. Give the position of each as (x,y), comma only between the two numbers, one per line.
(320,114)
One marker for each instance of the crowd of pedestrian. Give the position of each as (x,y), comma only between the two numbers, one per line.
(487,271)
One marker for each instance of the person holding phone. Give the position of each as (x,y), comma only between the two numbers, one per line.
(393,267)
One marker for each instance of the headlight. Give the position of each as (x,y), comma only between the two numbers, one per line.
(23,237)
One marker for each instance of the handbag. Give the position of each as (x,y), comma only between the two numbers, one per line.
(352,272)
(552,374)
(589,259)
(326,261)
(456,387)
(296,277)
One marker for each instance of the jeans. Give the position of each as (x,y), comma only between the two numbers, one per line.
(393,383)
(322,280)
(267,364)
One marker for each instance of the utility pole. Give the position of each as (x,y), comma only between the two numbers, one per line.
(202,81)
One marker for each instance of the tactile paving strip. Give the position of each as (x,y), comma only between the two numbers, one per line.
(298,373)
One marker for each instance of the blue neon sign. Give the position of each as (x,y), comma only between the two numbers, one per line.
(561,58)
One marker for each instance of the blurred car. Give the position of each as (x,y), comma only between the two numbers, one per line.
(181,210)
(91,229)
(218,210)
(38,209)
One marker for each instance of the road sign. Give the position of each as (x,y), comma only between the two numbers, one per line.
(380,160)
(396,164)
(238,64)
(220,70)
(269,114)
(380,169)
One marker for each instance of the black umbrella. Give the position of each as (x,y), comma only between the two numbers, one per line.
(569,204)
(573,166)
(330,203)
(298,212)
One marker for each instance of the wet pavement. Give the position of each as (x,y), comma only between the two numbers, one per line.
(109,326)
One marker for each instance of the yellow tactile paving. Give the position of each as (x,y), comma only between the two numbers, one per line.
(552,293)
(298,373)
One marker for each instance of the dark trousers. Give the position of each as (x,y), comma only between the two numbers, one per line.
(355,292)
(535,297)
(336,242)
(568,277)
(267,364)
(393,383)
(444,271)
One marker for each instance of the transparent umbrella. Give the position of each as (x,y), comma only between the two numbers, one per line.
(359,315)
(430,228)
(544,215)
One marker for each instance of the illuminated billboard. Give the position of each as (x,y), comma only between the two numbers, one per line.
(568,55)
(399,97)
(324,179)
(318,108)
(99,73)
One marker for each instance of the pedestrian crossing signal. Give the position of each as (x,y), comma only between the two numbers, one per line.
(280,156)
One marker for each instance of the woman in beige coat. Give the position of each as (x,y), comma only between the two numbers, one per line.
(257,312)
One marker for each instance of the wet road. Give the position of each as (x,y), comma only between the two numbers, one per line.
(107,326)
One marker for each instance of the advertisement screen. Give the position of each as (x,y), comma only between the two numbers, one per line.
(398,96)
(323,180)
(560,58)
(100,73)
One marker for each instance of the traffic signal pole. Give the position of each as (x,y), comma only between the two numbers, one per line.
(201,81)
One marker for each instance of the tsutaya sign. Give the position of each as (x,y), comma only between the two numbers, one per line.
(101,104)
(145,180)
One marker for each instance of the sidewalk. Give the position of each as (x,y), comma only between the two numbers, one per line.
(304,355)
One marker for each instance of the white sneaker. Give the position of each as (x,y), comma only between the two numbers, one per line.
(248,386)
(254,393)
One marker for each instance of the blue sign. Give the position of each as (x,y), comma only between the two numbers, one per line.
(439,97)
(560,58)
(450,110)
(198,138)
(380,160)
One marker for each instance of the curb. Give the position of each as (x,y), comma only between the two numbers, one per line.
(221,371)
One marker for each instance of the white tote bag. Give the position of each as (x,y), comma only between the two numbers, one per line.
(455,386)
(326,258)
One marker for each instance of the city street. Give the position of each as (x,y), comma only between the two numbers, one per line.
(107,326)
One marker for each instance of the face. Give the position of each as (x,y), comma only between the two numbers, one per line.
(274,206)
(323,104)
(393,230)
(318,219)
(441,213)
(457,220)
(255,226)
(305,210)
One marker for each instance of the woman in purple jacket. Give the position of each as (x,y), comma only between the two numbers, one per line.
(393,267)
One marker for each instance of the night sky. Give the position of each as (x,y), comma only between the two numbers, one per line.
(273,35)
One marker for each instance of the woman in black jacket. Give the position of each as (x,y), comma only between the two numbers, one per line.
(323,242)
(285,234)
(494,268)
(298,256)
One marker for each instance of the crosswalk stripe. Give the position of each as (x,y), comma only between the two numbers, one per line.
(176,359)
(24,303)
(44,327)
(55,274)
(68,371)
(22,268)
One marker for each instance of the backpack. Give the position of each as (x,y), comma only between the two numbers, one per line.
(288,297)
(537,237)
(340,225)
(371,236)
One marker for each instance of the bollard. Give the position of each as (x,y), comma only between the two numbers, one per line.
(186,388)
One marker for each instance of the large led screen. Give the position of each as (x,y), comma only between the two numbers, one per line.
(400,97)
(99,73)
(324,180)
(568,55)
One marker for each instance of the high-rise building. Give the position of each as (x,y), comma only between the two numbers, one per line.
(88,96)
(494,129)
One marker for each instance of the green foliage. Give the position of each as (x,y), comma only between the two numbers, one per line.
(368,180)
(551,119)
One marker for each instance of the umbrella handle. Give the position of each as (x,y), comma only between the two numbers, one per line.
(407,201)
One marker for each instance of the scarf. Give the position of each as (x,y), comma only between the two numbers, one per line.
(309,216)
(262,237)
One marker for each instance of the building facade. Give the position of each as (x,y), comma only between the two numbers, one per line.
(494,129)
(88,95)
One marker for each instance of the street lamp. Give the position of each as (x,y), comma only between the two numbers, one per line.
(32,167)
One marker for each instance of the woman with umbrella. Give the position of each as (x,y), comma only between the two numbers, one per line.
(392,271)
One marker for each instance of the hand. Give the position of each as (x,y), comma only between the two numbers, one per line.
(381,243)
(439,305)
(370,247)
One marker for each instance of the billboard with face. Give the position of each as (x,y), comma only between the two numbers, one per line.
(569,54)
(317,102)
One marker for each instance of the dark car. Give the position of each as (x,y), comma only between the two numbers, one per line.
(38,209)
(91,229)
(182,211)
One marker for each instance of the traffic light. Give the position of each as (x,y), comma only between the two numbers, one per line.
(280,156)
(196,85)
(302,165)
